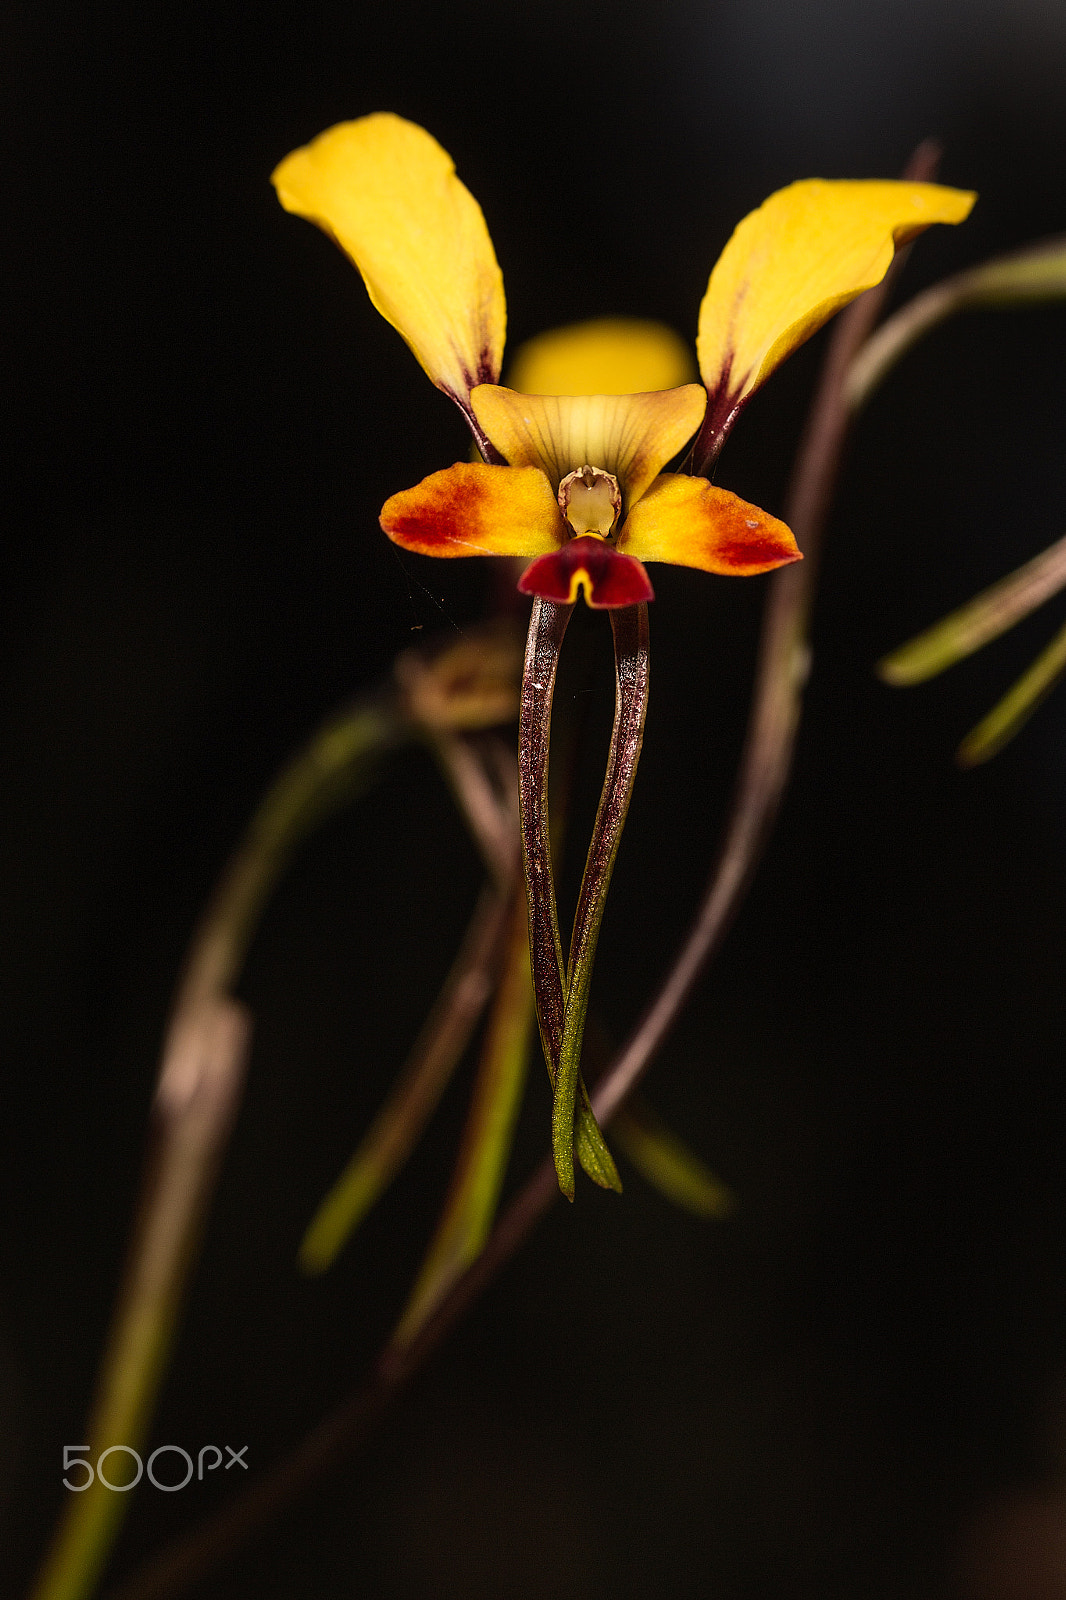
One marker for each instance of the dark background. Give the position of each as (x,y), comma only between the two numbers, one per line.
(818,1397)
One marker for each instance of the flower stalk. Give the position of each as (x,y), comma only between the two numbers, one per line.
(562,994)
(547,626)
(630,628)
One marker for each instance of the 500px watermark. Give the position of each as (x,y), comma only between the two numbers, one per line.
(76,1455)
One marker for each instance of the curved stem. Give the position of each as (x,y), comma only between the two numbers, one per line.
(630,628)
(1029,277)
(327,773)
(194,1109)
(782,671)
(547,626)
(199,1088)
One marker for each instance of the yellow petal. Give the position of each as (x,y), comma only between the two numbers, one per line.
(691,523)
(387,193)
(617,355)
(791,264)
(631,435)
(474,510)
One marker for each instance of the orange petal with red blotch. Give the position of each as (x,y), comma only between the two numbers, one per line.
(691,523)
(474,510)
(606,577)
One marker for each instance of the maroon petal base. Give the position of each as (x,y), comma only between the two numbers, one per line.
(604,574)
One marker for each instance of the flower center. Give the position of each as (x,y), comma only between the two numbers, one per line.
(590,500)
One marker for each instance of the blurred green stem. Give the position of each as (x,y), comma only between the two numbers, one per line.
(400,1122)
(471,1203)
(981,619)
(194,1109)
(195,1104)
(667,1162)
(491,814)
(329,772)
(1016,706)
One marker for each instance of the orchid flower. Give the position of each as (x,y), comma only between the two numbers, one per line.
(575,482)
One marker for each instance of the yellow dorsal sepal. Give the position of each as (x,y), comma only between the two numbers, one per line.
(631,436)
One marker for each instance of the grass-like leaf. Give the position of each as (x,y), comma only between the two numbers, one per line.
(1016,707)
(667,1163)
(985,617)
(1027,277)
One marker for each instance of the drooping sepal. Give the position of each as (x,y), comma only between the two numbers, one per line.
(588,566)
